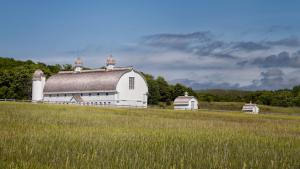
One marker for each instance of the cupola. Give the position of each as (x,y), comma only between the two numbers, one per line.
(110,63)
(78,65)
(186,94)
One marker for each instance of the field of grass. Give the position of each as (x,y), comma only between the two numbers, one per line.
(237,106)
(65,136)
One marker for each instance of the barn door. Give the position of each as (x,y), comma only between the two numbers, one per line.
(192,104)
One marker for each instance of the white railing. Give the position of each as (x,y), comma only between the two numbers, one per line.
(108,103)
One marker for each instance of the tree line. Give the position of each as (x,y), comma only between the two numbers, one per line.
(282,97)
(161,92)
(15,76)
(15,83)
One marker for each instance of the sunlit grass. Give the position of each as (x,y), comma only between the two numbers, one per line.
(237,106)
(57,136)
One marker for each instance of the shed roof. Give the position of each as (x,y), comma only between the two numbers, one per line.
(86,80)
(183,99)
(249,106)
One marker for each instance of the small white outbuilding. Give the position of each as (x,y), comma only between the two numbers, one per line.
(185,102)
(250,108)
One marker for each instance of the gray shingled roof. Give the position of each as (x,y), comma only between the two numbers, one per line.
(249,106)
(90,80)
(183,99)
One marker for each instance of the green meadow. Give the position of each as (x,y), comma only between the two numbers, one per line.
(237,106)
(69,136)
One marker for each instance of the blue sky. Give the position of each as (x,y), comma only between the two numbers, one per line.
(205,44)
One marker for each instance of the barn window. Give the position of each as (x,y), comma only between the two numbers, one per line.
(131,83)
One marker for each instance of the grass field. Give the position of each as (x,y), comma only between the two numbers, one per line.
(58,136)
(237,106)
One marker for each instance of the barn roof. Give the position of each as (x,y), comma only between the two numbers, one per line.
(183,99)
(86,80)
(249,106)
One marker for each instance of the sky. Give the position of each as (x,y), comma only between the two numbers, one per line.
(205,44)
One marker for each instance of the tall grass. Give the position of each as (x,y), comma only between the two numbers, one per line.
(53,136)
(237,106)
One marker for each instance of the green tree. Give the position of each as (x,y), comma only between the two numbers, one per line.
(153,89)
(296,90)
(164,89)
(265,98)
(67,67)
(15,77)
(282,98)
(178,90)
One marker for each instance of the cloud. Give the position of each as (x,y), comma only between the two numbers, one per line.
(242,63)
(206,85)
(237,64)
(203,60)
(250,46)
(177,41)
(206,44)
(289,42)
(273,79)
(198,43)
(283,59)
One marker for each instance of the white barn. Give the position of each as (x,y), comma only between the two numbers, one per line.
(185,102)
(115,86)
(250,108)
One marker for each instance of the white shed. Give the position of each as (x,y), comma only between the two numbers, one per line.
(185,102)
(250,108)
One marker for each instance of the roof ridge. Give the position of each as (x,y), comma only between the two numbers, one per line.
(98,70)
